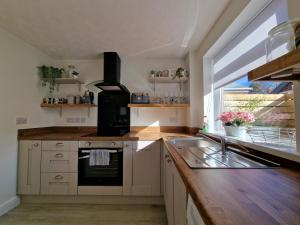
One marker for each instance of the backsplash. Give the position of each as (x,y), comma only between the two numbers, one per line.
(135,73)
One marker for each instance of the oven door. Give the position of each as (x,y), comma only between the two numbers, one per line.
(110,175)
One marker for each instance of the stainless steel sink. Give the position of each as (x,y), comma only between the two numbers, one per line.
(203,152)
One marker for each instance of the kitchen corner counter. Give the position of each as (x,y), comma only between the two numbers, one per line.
(222,196)
(242,196)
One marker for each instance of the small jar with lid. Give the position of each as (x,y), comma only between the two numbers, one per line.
(281,39)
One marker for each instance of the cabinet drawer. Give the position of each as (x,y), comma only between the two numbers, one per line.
(60,145)
(59,183)
(59,161)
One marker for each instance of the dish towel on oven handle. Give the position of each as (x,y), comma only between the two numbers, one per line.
(99,157)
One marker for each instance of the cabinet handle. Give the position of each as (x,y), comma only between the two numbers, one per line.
(59,155)
(59,144)
(58,177)
(36,145)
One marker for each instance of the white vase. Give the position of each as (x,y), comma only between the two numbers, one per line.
(235,131)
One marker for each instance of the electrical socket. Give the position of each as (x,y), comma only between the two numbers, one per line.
(21,120)
(173,120)
(70,120)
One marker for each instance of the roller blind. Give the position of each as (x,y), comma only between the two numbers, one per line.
(247,50)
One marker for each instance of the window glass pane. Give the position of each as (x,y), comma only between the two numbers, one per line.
(272,103)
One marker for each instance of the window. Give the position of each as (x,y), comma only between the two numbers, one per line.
(271,102)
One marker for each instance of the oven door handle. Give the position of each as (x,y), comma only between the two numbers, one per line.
(110,151)
(84,157)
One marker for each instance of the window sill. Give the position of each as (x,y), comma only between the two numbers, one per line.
(287,152)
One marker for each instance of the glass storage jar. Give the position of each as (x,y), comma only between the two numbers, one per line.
(281,39)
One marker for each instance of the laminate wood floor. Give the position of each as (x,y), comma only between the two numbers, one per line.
(82,214)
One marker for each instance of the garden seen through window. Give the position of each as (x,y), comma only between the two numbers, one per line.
(271,103)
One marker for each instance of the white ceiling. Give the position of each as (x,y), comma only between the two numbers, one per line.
(82,29)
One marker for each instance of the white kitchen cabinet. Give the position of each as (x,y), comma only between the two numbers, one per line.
(175,193)
(60,146)
(193,215)
(146,168)
(141,168)
(127,166)
(179,200)
(59,184)
(169,189)
(59,168)
(59,161)
(29,162)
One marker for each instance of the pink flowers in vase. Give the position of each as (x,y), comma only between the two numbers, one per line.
(236,118)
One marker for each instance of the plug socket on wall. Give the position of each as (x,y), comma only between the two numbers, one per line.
(21,120)
(75,119)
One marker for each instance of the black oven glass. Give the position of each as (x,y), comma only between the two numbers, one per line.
(110,175)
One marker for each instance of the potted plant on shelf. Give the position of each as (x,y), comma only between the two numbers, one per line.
(180,73)
(235,123)
(48,74)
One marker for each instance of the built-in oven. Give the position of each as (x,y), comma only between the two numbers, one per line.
(100,163)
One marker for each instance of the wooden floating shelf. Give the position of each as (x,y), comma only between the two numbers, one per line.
(67,105)
(158,105)
(284,68)
(167,80)
(68,81)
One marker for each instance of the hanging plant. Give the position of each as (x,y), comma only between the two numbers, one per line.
(48,74)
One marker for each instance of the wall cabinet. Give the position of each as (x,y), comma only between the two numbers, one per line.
(175,193)
(29,163)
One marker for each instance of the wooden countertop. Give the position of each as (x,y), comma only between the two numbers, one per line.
(89,135)
(242,196)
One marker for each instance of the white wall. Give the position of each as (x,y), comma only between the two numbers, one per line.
(135,72)
(90,70)
(134,75)
(200,87)
(20,96)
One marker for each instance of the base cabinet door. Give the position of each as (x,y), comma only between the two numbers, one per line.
(168,191)
(175,193)
(146,168)
(179,200)
(59,183)
(193,215)
(29,164)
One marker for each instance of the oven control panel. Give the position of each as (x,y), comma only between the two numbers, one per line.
(100,144)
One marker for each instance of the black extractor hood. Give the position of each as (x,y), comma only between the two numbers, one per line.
(111,72)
